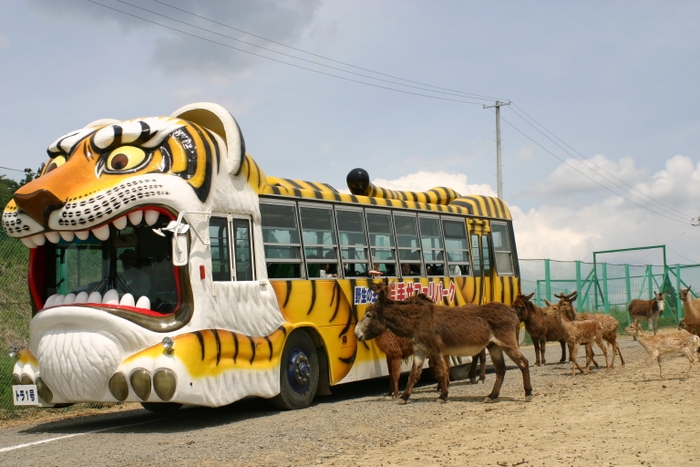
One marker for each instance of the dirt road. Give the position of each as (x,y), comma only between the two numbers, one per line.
(616,418)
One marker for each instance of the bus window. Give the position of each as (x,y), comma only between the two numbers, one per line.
(431,240)
(486,254)
(456,247)
(281,240)
(502,248)
(320,247)
(407,243)
(353,242)
(219,243)
(476,254)
(381,240)
(242,247)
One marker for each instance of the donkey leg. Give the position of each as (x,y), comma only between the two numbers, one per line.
(413,377)
(482,359)
(536,343)
(441,372)
(500,366)
(394,366)
(519,359)
(543,345)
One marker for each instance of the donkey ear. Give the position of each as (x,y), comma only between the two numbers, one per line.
(218,120)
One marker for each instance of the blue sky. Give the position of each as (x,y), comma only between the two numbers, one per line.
(600,146)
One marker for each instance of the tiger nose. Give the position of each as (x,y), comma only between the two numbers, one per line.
(38,205)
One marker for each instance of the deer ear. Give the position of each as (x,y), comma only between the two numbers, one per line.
(528,297)
(573,297)
(547,302)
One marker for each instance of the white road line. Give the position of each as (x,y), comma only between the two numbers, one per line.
(20,446)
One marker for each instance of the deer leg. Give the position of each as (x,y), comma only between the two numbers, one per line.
(617,347)
(689,354)
(500,366)
(394,366)
(563,351)
(573,353)
(414,376)
(604,348)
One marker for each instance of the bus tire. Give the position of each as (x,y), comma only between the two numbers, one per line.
(161,407)
(299,373)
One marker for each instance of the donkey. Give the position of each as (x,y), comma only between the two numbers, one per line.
(541,327)
(437,330)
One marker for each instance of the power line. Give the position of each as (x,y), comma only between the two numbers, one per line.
(631,188)
(281,53)
(435,89)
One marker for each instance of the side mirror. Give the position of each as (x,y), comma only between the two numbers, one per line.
(180,252)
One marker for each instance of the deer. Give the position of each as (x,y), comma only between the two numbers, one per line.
(663,344)
(648,310)
(437,330)
(607,322)
(691,313)
(579,332)
(541,327)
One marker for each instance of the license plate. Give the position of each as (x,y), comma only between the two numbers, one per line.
(25,394)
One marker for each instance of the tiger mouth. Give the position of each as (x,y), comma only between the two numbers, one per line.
(102,232)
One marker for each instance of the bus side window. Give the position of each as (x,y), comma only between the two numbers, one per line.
(502,248)
(457,247)
(319,236)
(381,239)
(242,250)
(281,240)
(431,241)
(219,243)
(352,242)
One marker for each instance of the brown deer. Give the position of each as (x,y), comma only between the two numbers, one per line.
(607,322)
(648,310)
(541,327)
(437,330)
(584,332)
(663,344)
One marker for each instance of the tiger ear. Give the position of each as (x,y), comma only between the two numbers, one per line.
(218,120)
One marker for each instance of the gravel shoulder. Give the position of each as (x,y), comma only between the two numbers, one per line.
(625,417)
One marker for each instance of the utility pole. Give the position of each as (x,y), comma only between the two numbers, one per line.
(499,166)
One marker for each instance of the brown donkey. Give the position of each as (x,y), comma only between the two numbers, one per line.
(437,330)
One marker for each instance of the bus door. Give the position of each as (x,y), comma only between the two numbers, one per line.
(480,243)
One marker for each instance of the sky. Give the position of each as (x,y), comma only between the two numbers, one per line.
(600,140)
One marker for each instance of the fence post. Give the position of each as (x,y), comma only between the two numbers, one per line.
(606,304)
(678,291)
(547,278)
(651,281)
(582,302)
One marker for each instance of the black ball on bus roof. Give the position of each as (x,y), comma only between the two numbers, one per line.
(358,182)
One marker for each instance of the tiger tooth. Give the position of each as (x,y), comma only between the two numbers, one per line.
(127,300)
(111,297)
(39,239)
(135,217)
(70,299)
(95,297)
(101,233)
(152,217)
(82,234)
(59,300)
(28,242)
(53,237)
(120,223)
(82,297)
(67,235)
(144,302)
(50,301)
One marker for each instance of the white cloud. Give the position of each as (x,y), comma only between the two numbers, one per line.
(423,181)
(603,222)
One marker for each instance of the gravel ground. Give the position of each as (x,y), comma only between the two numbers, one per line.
(627,416)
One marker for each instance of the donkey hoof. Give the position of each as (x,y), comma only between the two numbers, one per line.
(401,401)
(441,400)
(528,398)
(488,400)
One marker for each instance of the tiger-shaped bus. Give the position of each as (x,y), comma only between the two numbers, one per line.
(166,268)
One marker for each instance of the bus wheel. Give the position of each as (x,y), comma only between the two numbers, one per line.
(161,407)
(299,373)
